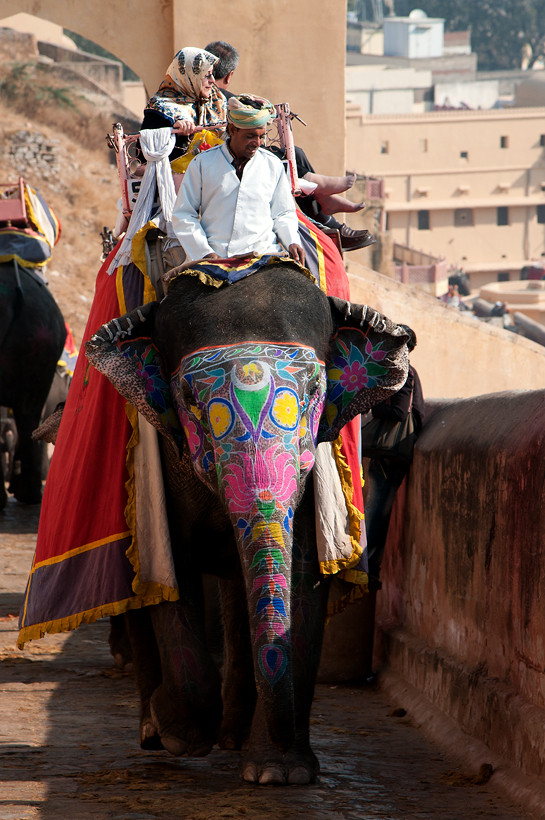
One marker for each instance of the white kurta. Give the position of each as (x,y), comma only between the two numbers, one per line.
(215,212)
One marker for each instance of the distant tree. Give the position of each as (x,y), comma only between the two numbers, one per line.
(372,11)
(502,31)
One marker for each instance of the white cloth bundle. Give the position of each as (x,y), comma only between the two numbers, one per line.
(156,145)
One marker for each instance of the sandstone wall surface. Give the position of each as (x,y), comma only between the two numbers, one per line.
(460,632)
(461,612)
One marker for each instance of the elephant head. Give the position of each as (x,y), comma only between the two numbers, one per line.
(249,378)
(251,413)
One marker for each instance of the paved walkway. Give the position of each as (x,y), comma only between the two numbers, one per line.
(68,748)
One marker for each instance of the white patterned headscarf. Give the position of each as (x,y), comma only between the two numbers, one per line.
(179,95)
(189,67)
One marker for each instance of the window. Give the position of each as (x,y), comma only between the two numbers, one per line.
(463,217)
(502,215)
(464,155)
(384,147)
(542,140)
(424,146)
(423,220)
(541,214)
(422,95)
(504,276)
(504,142)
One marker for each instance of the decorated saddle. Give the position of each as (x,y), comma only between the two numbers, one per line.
(28,227)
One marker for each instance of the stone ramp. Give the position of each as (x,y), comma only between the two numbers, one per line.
(68,740)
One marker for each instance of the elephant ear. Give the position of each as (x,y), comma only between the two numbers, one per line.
(368,361)
(123,351)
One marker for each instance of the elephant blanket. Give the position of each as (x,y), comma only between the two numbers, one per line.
(88,563)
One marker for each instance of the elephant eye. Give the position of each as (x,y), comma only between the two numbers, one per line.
(186,395)
(313,387)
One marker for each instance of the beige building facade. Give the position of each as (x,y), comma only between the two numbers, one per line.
(468,186)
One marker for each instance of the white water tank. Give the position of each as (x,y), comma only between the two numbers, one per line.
(416,36)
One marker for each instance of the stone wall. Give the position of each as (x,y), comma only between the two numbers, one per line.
(32,152)
(461,615)
(17,47)
(460,641)
(108,74)
(460,623)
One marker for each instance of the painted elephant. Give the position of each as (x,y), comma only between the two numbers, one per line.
(32,334)
(259,372)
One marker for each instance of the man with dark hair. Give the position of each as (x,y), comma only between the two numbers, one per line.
(225,67)
(384,477)
(313,205)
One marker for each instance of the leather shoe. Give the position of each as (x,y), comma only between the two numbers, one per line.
(351,240)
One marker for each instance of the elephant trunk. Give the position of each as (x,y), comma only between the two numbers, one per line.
(260,488)
(265,552)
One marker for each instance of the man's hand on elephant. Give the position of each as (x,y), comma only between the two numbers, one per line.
(184,127)
(296,252)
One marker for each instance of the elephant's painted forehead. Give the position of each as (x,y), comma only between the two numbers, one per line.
(250,364)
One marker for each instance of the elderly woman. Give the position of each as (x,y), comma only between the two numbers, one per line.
(186,100)
(187,97)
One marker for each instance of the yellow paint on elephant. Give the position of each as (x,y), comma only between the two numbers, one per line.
(221,418)
(285,410)
(274,529)
(252,373)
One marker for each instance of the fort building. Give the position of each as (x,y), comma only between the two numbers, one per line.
(468,185)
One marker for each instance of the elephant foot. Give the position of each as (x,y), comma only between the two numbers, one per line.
(235,730)
(290,769)
(189,733)
(120,647)
(232,741)
(268,775)
(149,736)
(25,494)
